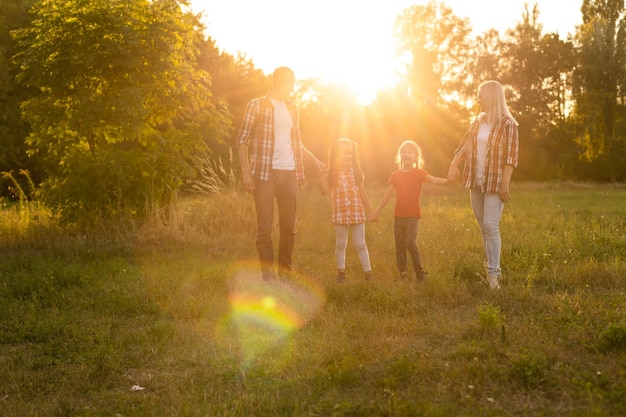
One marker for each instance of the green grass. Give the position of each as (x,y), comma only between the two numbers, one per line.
(179,311)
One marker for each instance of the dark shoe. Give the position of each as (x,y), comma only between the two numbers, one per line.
(341,276)
(285,275)
(402,276)
(267,276)
(420,275)
(368,275)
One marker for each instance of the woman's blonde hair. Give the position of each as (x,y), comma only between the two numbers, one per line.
(419,162)
(493,95)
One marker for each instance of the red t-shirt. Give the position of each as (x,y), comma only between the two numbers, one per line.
(408,185)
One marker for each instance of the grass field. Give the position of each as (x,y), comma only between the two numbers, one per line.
(175,321)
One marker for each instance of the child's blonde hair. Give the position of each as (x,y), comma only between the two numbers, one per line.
(419,162)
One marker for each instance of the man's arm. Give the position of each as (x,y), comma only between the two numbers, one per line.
(245,133)
(311,159)
(246,177)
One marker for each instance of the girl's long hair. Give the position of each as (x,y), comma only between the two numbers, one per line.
(419,163)
(334,165)
(493,93)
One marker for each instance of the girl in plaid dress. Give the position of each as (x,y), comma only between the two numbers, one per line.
(350,203)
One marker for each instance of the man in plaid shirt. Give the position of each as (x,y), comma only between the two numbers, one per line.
(272,158)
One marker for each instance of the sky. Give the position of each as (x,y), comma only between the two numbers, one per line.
(349,41)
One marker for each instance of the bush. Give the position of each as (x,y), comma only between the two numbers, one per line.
(613,337)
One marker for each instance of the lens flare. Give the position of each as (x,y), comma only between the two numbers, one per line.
(266,313)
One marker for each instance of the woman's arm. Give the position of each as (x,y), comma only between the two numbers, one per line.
(453,171)
(505,195)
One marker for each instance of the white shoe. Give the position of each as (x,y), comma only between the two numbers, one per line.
(493,281)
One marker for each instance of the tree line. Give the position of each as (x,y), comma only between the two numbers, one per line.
(110,108)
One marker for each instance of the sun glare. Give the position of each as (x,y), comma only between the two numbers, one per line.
(357,57)
(347,42)
(363,81)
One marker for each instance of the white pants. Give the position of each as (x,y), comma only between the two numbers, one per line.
(358,239)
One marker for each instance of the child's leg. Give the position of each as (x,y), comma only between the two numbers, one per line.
(399,233)
(411,243)
(341,242)
(358,239)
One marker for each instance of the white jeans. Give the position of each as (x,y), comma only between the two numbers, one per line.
(358,239)
(488,210)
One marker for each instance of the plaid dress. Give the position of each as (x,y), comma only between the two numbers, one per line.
(346,198)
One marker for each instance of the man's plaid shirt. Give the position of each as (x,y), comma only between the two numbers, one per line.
(257,131)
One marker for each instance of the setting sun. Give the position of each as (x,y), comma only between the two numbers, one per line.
(346,42)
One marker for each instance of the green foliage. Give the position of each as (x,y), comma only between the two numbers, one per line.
(613,337)
(13,129)
(531,369)
(25,197)
(435,41)
(490,317)
(102,77)
(122,107)
(599,84)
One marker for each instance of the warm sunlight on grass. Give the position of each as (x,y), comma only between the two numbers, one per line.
(178,322)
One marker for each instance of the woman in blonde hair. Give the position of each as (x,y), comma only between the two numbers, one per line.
(490,151)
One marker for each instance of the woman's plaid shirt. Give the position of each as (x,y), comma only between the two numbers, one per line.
(502,149)
(257,131)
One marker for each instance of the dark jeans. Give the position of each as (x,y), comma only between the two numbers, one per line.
(283,188)
(405,233)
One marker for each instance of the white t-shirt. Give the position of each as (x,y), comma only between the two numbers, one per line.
(481,150)
(283,158)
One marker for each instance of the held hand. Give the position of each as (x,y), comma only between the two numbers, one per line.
(373,216)
(247,182)
(505,195)
(453,174)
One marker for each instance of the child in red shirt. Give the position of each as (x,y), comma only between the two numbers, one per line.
(407,182)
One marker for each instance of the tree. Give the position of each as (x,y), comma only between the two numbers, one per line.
(13,129)
(434,43)
(485,59)
(234,81)
(599,86)
(122,109)
(536,67)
